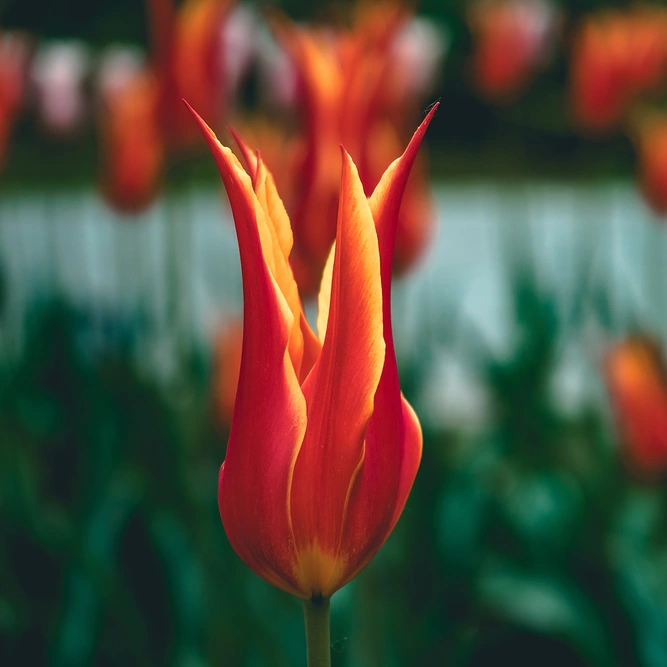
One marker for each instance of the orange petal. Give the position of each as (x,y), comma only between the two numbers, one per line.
(393,438)
(249,156)
(340,389)
(270,413)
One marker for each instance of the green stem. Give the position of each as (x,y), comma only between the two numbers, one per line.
(316,615)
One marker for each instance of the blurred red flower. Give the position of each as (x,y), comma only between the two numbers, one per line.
(512,40)
(14,50)
(637,383)
(142,119)
(616,57)
(347,89)
(652,152)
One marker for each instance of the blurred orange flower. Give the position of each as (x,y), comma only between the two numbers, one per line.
(348,85)
(142,118)
(616,57)
(652,150)
(512,39)
(637,383)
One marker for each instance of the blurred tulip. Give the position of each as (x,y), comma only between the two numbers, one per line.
(637,384)
(58,73)
(227,366)
(133,145)
(652,151)
(14,49)
(616,57)
(142,120)
(512,40)
(323,448)
(351,85)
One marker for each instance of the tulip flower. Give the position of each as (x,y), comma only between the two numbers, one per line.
(616,57)
(14,49)
(512,40)
(142,119)
(351,85)
(637,383)
(652,152)
(323,448)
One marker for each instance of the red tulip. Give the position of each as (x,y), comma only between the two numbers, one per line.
(616,57)
(638,386)
(512,40)
(323,448)
(134,149)
(143,120)
(14,49)
(652,149)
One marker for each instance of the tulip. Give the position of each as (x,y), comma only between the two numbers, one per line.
(134,149)
(652,152)
(14,51)
(323,448)
(512,41)
(616,58)
(351,85)
(637,384)
(142,120)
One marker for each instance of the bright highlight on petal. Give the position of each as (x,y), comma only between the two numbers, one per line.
(323,447)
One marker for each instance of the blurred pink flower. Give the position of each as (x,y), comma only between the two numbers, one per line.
(58,73)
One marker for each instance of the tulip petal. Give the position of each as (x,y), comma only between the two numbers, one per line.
(303,342)
(393,439)
(324,295)
(249,156)
(305,346)
(270,413)
(340,389)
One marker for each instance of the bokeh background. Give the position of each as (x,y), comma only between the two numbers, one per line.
(528,326)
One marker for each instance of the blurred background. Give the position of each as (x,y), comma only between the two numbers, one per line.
(529,314)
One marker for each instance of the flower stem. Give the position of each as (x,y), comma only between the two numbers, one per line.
(316,615)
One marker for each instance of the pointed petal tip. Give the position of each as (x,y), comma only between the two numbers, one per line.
(250,158)
(209,134)
(423,126)
(346,158)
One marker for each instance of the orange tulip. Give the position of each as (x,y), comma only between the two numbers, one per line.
(143,120)
(323,448)
(512,40)
(134,149)
(652,150)
(616,57)
(638,386)
(346,85)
